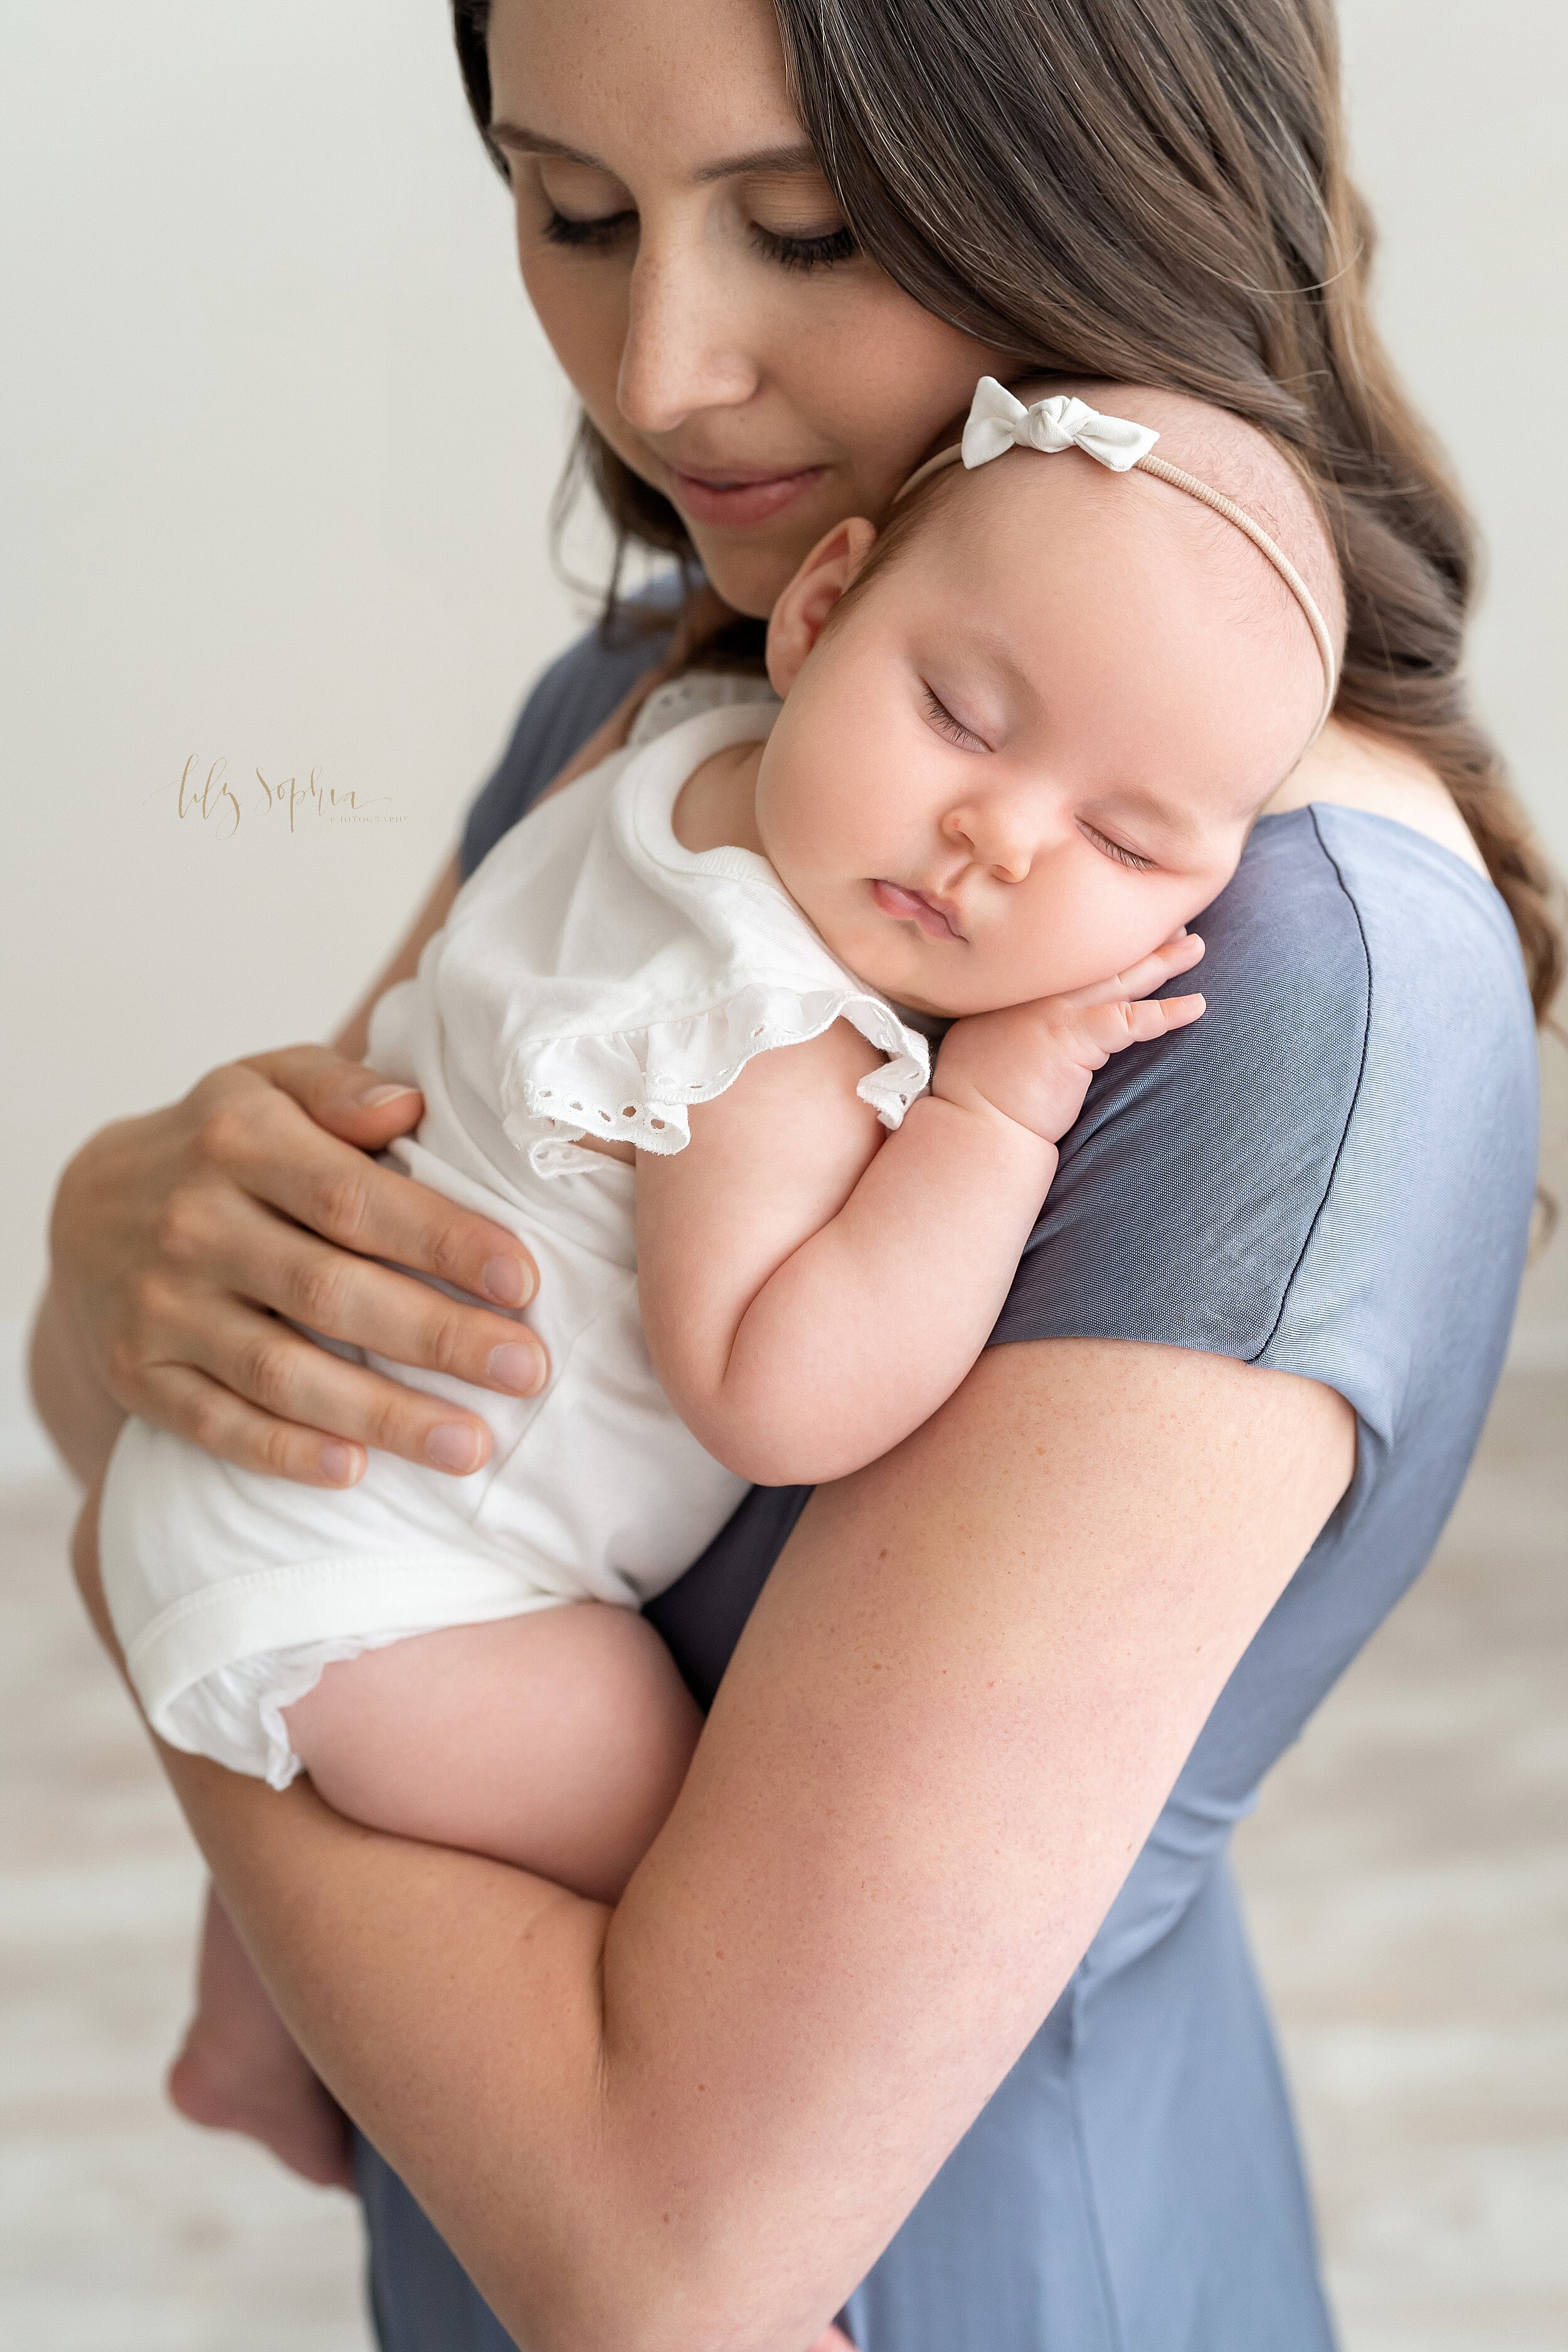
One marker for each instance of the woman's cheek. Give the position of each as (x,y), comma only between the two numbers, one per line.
(584,315)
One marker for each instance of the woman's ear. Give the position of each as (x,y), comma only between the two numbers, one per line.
(801,613)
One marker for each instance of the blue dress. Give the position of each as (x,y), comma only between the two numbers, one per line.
(1332,1175)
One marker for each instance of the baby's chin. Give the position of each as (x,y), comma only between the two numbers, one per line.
(915,981)
(909,971)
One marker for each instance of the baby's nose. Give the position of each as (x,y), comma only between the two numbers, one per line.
(998,835)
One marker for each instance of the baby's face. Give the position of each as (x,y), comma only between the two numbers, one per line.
(1033,747)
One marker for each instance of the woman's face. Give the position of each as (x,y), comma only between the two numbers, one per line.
(695,276)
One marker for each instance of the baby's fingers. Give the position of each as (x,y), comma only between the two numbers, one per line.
(1152,972)
(1139,1024)
(1108,1029)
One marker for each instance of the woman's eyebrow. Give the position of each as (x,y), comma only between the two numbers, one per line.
(534,142)
(798,158)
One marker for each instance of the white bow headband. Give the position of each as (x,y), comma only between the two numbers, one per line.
(999,422)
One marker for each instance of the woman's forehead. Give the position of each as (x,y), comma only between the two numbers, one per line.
(693,88)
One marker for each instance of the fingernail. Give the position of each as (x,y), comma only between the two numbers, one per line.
(515,1365)
(453,1447)
(379,1095)
(341,1463)
(506,1280)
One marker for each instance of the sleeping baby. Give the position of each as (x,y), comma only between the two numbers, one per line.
(677,1034)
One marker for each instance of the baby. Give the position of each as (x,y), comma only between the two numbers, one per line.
(674,1035)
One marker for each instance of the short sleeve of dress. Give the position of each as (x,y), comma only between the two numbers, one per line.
(1295,1181)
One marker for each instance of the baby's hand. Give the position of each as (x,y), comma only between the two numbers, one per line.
(1033,1063)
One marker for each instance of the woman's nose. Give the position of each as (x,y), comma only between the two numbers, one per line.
(685,348)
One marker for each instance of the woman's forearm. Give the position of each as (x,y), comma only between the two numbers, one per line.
(961,1701)
(452,2005)
(79,1414)
(515,2074)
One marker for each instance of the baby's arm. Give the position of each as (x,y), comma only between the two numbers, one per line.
(813,1290)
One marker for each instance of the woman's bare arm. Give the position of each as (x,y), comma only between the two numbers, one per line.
(960,1702)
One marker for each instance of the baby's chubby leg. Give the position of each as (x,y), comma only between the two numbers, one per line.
(239,2069)
(556,1740)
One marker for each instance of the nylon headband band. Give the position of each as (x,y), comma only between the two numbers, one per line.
(998,422)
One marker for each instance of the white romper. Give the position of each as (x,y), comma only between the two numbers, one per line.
(594,977)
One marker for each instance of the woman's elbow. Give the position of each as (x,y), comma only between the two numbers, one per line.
(665,2301)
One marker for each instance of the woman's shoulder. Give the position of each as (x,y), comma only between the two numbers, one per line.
(1349,1128)
(1349,768)
(573,696)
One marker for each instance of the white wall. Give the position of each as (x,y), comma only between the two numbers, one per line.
(278,439)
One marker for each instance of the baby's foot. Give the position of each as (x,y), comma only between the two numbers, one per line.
(834,2341)
(269,2095)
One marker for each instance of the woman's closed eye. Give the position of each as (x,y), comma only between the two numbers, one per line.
(602,232)
(825,251)
(592,236)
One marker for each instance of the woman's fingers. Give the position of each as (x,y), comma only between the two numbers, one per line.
(348,1098)
(262,1144)
(317,1398)
(182,1238)
(259,1257)
(214,1417)
(245,1385)
(1152,972)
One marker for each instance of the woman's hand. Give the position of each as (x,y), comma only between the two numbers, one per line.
(182,1238)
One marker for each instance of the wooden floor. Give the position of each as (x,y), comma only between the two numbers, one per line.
(1407,1879)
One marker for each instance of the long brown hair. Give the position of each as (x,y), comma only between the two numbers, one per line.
(1157,192)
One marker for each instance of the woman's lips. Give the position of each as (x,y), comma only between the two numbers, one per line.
(740,501)
(918,907)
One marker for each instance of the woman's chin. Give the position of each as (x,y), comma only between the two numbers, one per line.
(750,579)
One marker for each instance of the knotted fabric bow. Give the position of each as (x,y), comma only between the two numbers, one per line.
(999,422)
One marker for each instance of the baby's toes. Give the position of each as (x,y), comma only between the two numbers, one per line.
(288,2111)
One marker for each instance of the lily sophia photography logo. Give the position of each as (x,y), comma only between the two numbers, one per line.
(209,795)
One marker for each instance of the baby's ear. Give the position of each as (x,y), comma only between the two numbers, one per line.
(802,611)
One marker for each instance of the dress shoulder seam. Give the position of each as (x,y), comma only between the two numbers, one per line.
(1349,896)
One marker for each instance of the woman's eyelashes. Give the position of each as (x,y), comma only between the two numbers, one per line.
(824,251)
(605,232)
(587,235)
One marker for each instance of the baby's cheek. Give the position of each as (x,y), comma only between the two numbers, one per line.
(1103,926)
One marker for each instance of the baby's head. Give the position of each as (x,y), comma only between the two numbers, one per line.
(1026,730)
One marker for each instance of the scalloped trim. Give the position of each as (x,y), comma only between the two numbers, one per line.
(637,1086)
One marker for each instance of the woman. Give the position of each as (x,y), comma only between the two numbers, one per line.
(930,2000)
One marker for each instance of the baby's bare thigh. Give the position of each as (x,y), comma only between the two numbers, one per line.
(557,1740)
